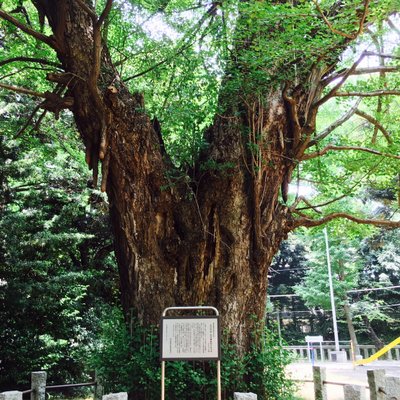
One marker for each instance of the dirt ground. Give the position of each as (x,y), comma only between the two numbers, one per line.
(338,372)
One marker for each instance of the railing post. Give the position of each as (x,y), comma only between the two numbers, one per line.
(392,387)
(354,392)
(319,376)
(38,385)
(11,395)
(98,387)
(376,382)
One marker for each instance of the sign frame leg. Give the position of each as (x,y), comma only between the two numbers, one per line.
(162,380)
(165,358)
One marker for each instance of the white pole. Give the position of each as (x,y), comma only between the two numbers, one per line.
(162,380)
(219,391)
(328,258)
(278,319)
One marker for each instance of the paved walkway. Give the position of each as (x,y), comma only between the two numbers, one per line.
(338,372)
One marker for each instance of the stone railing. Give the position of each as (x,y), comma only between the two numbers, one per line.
(38,388)
(304,353)
(380,386)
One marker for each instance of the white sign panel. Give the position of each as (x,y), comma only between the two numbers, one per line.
(190,338)
(314,339)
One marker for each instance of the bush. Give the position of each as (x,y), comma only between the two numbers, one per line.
(128,359)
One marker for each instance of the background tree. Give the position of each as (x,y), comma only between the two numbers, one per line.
(314,289)
(288,270)
(57,271)
(365,284)
(209,225)
(379,310)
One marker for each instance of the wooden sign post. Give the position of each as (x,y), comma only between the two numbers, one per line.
(186,338)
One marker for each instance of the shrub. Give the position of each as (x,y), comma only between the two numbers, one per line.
(127,359)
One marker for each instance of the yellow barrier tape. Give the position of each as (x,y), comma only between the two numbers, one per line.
(379,353)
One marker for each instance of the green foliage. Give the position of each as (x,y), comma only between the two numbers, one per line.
(345,263)
(287,270)
(381,268)
(127,358)
(263,367)
(361,258)
(55,264)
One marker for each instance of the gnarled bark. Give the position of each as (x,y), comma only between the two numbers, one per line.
(209,240)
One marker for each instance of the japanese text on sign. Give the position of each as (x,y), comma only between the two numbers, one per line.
(190,338)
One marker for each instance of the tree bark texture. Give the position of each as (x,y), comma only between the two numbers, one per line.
(209,240)
(350,327)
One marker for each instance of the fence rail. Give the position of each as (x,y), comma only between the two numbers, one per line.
(70,385)
(303,352)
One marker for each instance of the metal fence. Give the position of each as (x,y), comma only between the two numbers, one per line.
(39,388)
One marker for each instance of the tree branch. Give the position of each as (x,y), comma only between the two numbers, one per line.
(304,200)
(369,94)
(292,107)
(393,26)
(30,59)
(179,50)
(373,70)
(376,123)
(347,193)
(28,121)
(333,91)
(309,222)
(37,35)
(105,13)
(340,148)
(18,89)
(335,124)
(97,49)
(85,7)
(341,33)
(315,208)
(379,45)
(377,54)
(362,71)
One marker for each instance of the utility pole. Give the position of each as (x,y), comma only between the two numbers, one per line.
(334,320)
(278,320)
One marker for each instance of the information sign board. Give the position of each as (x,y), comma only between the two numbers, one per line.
(314,339)
(190,338)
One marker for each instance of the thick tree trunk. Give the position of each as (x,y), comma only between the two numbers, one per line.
(209,240)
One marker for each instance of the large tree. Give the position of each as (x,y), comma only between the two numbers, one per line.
(209,236)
